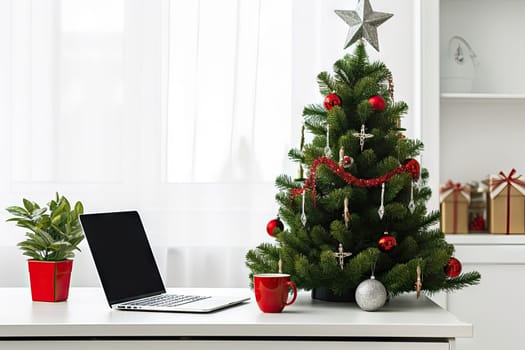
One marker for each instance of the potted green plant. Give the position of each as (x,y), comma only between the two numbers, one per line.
(53,233)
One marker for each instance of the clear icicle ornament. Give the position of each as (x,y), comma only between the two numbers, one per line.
(412,204)
(381,210)
(346,212)
(327,150)
(303,215)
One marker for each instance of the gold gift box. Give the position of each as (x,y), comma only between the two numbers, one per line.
(454,203)
(506,204)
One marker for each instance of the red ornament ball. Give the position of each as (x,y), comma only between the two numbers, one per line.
(477,224)
(332,100)
(453,268)
(273,224)
(347,161)
(387,242)
(377,103)
(412,166)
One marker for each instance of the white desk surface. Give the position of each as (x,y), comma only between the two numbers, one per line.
(87,314)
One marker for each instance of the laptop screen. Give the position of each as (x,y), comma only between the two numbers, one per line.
(122,254)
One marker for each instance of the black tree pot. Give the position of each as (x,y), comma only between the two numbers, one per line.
(326,294)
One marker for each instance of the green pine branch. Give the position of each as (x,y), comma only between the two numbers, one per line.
(326,83)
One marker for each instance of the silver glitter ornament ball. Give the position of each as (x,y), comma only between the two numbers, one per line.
(370,294)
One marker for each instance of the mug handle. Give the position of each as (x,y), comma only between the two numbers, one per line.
(290,284)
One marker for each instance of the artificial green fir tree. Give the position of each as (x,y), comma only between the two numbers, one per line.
(362,205)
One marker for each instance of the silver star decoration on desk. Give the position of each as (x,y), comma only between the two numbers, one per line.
(363,23)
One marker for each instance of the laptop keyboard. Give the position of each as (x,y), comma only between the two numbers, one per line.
(164,300)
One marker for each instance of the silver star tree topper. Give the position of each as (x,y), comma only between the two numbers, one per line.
(363,23)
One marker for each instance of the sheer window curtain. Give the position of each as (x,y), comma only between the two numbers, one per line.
(228,90)
(180,110)
(229,125)
(80,108)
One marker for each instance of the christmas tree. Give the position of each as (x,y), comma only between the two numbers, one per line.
(361,209)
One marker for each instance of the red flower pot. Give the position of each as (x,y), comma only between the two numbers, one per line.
(50,279)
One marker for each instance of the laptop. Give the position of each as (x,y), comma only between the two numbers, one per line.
(128,271)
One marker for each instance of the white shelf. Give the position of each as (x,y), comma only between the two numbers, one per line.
(485,239)
(481,96)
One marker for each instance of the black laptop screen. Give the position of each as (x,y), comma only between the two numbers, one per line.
(122,254)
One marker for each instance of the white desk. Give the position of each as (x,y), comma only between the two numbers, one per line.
(85,321)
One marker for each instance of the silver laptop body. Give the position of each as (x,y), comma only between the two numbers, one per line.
(128,271)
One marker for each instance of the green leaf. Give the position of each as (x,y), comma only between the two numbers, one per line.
(37,213)
(79,208)
(32,255)
(61,245)
(56,220)
(52,205)
(67,206)
(22,222)
(31,246)
(59,231)
(61,205)
(28,205)
(45,236)
(18,211)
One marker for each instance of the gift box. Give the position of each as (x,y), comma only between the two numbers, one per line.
(506,203)
(454,199)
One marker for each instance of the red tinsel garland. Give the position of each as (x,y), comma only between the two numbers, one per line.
(411,167)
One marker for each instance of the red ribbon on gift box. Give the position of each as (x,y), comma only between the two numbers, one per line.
(510,180)
(455,189)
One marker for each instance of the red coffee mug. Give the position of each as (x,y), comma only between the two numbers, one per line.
(271,291)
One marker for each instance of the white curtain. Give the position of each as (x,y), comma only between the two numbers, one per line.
(229,90)
(66,90)
(178,109)
(80,111)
